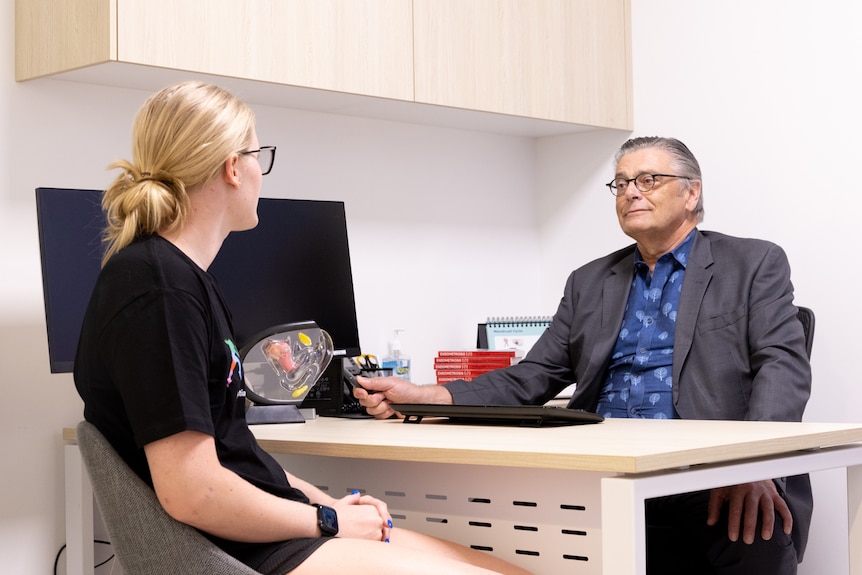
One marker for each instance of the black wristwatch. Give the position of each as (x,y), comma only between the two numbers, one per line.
(327,520)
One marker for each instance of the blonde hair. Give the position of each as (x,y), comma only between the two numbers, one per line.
(181,138)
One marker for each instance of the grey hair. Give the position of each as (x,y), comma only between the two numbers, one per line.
(684,162)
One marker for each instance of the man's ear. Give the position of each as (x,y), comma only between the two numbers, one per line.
(230,173)
(694,191)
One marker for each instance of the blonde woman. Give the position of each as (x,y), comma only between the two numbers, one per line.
(159,373)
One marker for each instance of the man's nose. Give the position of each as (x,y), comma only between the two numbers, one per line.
(631,190)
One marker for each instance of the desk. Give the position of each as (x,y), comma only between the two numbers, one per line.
(541,497)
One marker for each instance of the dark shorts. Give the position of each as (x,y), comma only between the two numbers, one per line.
(288,555)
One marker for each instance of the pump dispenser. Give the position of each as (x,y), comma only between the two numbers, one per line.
(397,361)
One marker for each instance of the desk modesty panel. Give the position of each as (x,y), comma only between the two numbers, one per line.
(615,445)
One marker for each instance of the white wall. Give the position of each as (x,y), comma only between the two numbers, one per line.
(435,216)
(448,227)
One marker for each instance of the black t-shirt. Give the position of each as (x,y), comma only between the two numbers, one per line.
(156,357)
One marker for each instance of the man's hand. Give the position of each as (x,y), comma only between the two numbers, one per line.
(745,502)
(379,392)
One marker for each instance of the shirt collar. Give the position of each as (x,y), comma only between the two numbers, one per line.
(679,253)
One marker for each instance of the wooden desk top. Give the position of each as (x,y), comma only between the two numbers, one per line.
(616,445)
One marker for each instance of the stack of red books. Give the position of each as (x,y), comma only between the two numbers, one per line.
(467,365)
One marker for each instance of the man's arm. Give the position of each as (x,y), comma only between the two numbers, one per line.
(782,378)
(780,389)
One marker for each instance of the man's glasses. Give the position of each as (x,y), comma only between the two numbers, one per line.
(265,157)
(643,182)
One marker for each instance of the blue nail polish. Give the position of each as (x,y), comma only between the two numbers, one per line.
(389,523)
(387,540)
(355,492)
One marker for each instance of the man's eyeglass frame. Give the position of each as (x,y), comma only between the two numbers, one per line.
(618,186)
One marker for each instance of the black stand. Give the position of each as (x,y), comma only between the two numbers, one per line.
(257,414)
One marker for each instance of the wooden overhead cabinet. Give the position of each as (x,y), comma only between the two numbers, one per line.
(562,60)
(353,46)
(565,61)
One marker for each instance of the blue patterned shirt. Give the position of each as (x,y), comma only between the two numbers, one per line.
(639,378)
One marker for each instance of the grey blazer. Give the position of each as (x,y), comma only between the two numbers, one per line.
(739,349)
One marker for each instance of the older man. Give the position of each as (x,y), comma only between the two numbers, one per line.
(683,324)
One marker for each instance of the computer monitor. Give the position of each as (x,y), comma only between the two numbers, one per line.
(70,243)
(294,266)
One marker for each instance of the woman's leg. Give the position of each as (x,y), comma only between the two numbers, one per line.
(407,553)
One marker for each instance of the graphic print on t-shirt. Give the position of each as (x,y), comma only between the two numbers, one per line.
(235,361)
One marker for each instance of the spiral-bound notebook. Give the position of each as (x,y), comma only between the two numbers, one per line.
(517,333)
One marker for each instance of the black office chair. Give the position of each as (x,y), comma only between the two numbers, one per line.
(145,539)
(806,317)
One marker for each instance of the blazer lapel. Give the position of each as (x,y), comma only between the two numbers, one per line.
(697,278)
(615,293)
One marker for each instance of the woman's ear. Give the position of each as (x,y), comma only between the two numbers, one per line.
(230,171)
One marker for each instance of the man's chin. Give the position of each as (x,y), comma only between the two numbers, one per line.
(634,226)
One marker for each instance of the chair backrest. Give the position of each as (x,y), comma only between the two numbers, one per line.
(806,317)
(145,539)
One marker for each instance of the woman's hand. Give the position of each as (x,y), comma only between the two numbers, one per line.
(363,517)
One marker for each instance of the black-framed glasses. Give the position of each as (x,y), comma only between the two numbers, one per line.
(265,157)
(643,182)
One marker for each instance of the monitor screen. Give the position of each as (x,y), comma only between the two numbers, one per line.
(70,241)
(294,266)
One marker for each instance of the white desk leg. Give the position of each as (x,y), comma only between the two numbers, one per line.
(854,515)
(79,515)
(623,527)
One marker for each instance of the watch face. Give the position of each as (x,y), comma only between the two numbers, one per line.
(327,519)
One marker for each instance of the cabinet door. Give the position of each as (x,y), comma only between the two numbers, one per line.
(564,60)
(53,36)
(355,46)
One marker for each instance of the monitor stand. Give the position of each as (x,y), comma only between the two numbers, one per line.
(258,414)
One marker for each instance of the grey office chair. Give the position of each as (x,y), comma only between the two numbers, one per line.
(806,318)
(145,539)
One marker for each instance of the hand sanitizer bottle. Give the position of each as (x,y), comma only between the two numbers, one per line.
(397,361)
